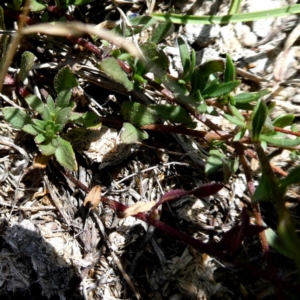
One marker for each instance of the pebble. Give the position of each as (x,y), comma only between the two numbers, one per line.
(206,54)
(290,91)
(296,99)
(249,39)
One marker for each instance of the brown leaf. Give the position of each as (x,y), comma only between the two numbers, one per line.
(40,161)
(139,207)
(93,198)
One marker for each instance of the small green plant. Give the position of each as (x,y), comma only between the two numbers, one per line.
(47,131)
(54,117)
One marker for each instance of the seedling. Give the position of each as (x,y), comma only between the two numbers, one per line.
(47,131)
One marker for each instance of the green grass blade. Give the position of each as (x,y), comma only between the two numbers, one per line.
(235,7)
(244,17)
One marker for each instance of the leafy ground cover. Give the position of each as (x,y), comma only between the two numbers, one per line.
(135,164)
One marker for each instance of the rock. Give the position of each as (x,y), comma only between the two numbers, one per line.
(202,34)
(206,54)
(296,99)
(249,39)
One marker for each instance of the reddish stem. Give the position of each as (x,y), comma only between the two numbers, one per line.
(86,44)
(286,131)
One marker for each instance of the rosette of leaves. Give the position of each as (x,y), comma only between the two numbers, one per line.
(47,130)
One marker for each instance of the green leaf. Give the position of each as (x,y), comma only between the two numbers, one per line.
(156,59)
(40,124)
(65,155)
(58,128)
(32,129)
(249,97)
(65,79)
(87,119)
(243,17)
(27,61)
(263,190)
(46,114)
(47,149)
(66,3)
(214,161)
(234,120)
(124,56)
(230,166)
(35,6)
(236,112)
(184,55)
(211,67)
(279,140)
(130,134)
(138,114)
(138,24)
(229,74)
(112,69)
(40,138)
(161,31)
(63,116)
(51,105)
(258,116)
(36,103)
(175,114)
(288,237)
(268,126)
(195,82)
(16,4)
(294,128)
(244,106)
(274,242)
(284,120)
(292,178)
(235,6)
(239,135)
(219,90)
(63,98)
(15,117)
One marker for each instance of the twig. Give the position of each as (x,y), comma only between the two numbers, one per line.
(9,55)
(57,202)
(115,258)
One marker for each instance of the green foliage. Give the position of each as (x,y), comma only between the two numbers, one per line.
(160,32)
(259,116)
(217,90)
(16,117)
(214,161)
(229,73)
(111,68)
(36,6)
(47,130)
(139,114)
(249,97)
(87,119)
(54,117)
(27,61)
(284,120)
(130,134)
(138,24)
(156,59)
(242,17)
(15,4)
(65,79)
